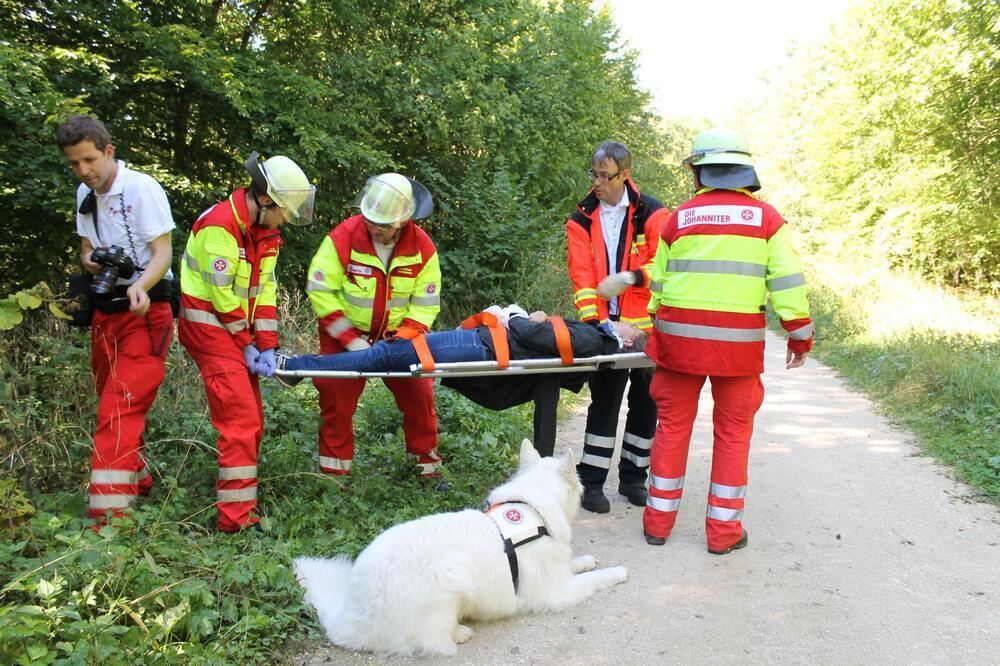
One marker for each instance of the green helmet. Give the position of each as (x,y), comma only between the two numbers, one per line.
(719,145)
(285,182)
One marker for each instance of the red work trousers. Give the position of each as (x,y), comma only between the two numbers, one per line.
(127,356)
(338,400)
(237,413)
(737,400)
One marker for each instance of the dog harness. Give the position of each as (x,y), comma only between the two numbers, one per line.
(519,524)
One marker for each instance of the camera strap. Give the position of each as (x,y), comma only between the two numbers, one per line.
(128,232)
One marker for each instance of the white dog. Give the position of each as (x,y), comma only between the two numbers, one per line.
(411,588)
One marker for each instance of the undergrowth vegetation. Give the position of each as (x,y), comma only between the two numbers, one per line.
(932,362)
(162,586)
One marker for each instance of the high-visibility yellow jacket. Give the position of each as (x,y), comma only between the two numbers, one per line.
(718,257)
(587,256)
(228,285)
(353,293)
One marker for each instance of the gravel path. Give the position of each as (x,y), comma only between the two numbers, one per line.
(861,552)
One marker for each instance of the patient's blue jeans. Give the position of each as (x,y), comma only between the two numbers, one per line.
(456,346)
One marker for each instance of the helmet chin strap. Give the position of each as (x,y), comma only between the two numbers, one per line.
(261,208)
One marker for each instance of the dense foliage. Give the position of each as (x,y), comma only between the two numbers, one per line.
(490,103)
(163,586)
(888,133)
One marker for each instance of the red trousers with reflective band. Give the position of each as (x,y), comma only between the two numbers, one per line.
(338,400)
(737,400)
(237,413)
(127,356)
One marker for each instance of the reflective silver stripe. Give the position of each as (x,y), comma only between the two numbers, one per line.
(217,279)
(357,344)
(101,502)
(233,473)
(255,291)
(717,266)
(786,282)
(660,504)
(425,300)
(312,285)
(335,463)
(637,460)
(803,333)
(663,483)
(358,301)
(655,286)
(114,476)
(600,441)
(711,332)
(242,292)
(636,441)
(398,302)
(428,468)
(595,461)
(237,326)
(241,495)
(728,515)
(338,326)
(265,324)
(200,317)
(728,492)
(144,474)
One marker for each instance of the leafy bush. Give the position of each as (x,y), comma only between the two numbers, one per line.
(161,586)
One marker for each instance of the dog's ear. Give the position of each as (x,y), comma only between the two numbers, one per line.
(567,463)
(529,456)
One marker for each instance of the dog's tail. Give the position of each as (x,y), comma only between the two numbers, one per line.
(326,584)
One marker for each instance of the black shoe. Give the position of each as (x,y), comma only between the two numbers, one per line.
(594,500)
(635,492)
(742,543)
(440,485)
(654,540)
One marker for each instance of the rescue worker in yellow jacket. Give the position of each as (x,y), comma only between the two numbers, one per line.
(719,256)
(229,318)
(377,276)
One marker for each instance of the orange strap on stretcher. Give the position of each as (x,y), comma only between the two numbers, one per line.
(497,332)
(423,352)
(563,343)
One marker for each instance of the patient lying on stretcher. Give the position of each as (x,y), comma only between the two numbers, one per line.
(528,336)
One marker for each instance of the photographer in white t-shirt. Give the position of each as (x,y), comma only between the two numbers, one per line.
(124,223)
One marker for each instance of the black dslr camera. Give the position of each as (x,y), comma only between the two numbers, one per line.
(116,264)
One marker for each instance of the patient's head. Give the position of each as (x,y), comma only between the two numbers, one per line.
(633,338)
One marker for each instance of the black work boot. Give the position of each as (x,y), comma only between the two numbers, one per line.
(594,500)
(654,540)
(742,543)
(288,381)
(635,492)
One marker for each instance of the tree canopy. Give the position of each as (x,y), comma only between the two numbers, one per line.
(493,104)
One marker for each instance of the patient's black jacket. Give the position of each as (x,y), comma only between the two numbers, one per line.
(530,340)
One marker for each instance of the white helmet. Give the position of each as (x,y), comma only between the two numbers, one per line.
(286,184)
(390,199)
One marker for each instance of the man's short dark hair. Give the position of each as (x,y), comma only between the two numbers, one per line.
(81,128)
(614,151)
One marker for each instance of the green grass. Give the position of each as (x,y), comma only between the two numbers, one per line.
(931,360)
(161,586)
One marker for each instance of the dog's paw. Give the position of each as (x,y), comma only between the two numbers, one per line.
(583,563)
(617,574)
(461,634)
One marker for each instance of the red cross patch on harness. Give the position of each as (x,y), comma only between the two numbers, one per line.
(220,265)
(513,516)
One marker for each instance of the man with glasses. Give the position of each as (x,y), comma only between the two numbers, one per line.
(377,276)
(229,317)
(611,238)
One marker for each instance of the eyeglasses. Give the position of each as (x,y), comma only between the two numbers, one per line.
(604,179)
